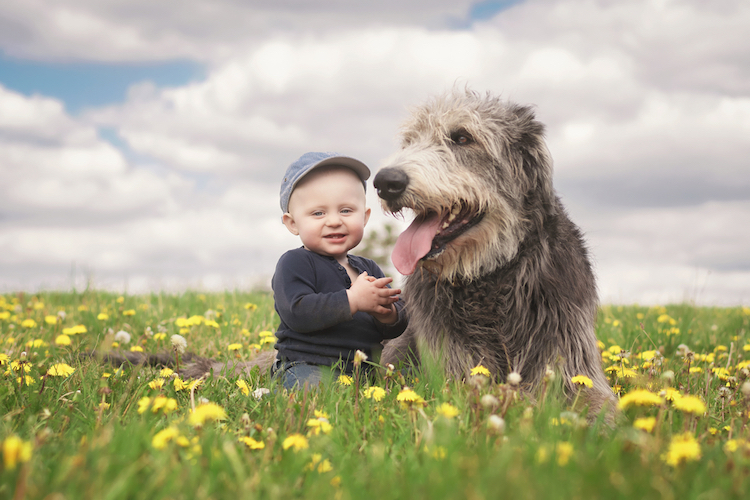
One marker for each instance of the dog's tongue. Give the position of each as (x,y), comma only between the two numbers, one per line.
(414,243)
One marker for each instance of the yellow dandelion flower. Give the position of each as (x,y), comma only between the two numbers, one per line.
(563,450)
(50,319)
(318,425)
(690,404)
(696,369)
(447,410)
(234,347)
(325,466)
(163,403)
(722,373)
(252,443)
(345,380)
(267,340)
(243,387)
(143,404)
(60,370)
(408,398)
(207,412)
(645,424)
(36,343)
(251,307)
(102,316)
(376,393)
(670,394)
(136,348)
(83,307)
(156,383)
(320,414)
(75,330)
(160,336)
(295,441)
(640,397)
(733,445)
(62,340)
(103,406)
(15,450)
(682,448)
(164,436)
(28,323)
(582,380)
(480,370)
(128,312)
(210,322)
(166,372)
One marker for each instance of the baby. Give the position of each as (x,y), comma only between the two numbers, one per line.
(331,303)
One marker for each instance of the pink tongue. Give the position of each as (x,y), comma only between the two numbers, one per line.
(414,243)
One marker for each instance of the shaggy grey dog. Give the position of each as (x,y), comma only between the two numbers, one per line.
(498,275)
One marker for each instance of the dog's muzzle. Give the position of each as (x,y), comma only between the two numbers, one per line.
(391,183)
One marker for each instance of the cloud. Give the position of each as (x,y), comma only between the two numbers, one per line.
(647,108)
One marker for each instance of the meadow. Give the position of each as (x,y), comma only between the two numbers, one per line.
(74,427)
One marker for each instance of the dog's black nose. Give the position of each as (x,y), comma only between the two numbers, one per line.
(391,183)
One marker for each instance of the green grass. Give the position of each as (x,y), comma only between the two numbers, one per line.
(76,447)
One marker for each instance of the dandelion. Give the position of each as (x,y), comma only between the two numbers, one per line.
(60,370)
(207,412)
(15,450)
(102,316)
(28,323)
(143,405)
(645,424)
(62,339)
(447,410)
(179,343)
(640,397)
(166,372)
(480,370)
(75,330)
(156,383)
(128,312)
(251,307)
(563,450)
(496,423)
(160,336)
(408,398)
(489,401)
(3,359)
(690,404)
(345,380)
(50,319)
(682,448)
(359,357)
(234,347)
(36,343)
(260,392)
(376,393)
(252,443)
(163,403)
(582,380)
(136,348)
(243,387)
(295,441)
(122,337)
(514,378)
(164,436)
(318,425)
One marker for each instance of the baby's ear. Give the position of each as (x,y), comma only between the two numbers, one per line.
(367,215)
(288,221)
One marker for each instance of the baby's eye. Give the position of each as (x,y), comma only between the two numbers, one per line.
(347,211)
(317,213)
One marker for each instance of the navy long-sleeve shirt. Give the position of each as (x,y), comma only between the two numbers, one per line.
(316,322)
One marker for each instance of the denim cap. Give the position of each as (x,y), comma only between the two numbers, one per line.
(310,161)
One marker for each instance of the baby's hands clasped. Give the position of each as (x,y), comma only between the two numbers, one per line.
(372,295)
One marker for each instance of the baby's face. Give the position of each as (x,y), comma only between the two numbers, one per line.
(327,210)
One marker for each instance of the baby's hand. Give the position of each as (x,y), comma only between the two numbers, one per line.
(372,295)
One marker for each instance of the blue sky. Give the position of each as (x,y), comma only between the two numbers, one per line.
(88,84)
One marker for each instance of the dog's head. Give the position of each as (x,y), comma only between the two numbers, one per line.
(475,171)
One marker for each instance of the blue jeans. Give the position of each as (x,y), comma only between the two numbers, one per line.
(295,374)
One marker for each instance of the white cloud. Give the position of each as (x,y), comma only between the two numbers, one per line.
(647,105)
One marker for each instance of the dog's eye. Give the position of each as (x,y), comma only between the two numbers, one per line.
(461,138)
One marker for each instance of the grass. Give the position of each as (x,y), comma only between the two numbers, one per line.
(103,433)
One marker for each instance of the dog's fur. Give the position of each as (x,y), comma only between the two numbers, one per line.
(508,284)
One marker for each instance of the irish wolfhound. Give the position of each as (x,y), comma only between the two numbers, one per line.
(498,275)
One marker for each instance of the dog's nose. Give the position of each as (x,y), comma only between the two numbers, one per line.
(391,183)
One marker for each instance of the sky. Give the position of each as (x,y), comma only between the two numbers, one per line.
(142,145)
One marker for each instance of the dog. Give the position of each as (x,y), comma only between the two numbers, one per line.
(496,272)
